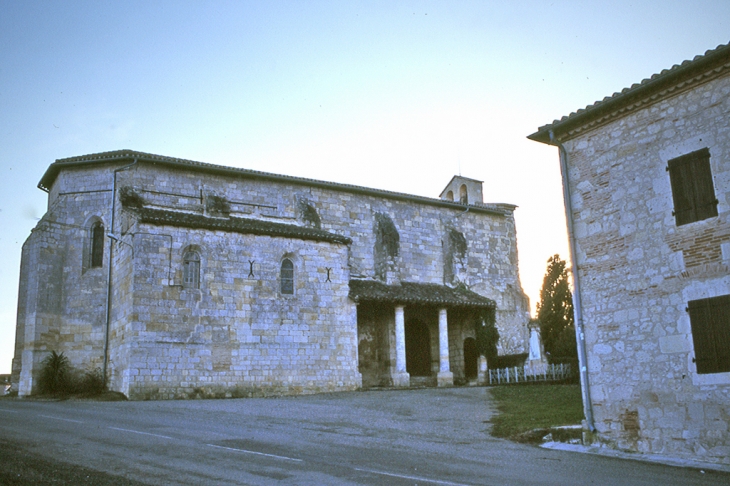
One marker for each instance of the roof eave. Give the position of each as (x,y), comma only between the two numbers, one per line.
(49,178)
(656,84)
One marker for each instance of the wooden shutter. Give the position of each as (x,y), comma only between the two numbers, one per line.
(704,190)
(692,188)
(710,320)
(680,176)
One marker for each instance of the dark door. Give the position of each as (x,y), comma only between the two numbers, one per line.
(418,349)
(471,357)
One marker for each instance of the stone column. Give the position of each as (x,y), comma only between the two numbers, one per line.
(401,376)
(483,377)
(445,377)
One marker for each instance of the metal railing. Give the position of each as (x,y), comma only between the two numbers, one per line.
(518,374)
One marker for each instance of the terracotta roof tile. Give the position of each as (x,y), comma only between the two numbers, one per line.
(119,156)
(235,225)
(657,83)
(417,293)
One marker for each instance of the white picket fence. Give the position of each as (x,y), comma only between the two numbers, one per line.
(550,372)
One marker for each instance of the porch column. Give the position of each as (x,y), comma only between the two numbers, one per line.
(401,376)
(445,377)
(483,372)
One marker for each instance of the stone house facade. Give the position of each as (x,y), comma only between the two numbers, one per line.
(646,176)
(181,279)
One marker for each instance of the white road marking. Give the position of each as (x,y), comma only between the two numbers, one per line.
(64,419)
(6,410)
(414,478)
(257,453)
(142,433)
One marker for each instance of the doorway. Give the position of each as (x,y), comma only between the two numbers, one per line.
(418,348)
(471,359)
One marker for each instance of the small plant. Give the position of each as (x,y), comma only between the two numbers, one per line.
(92,383)
(130,198)
(56,375)
(217,205)
(486,333)
(308,214)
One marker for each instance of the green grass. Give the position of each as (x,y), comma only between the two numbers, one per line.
(524,408)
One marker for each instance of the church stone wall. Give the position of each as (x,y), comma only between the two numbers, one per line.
(237,335)
(638,270)
(489,267)
(62,301)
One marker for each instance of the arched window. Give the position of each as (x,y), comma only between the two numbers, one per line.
(97,245)
(191,270)
(287,277)
(463,196)
(450,195)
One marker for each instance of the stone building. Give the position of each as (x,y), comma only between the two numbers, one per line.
(181,279)
(646,176)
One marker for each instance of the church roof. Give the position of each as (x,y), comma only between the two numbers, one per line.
(118,156)
(679,77)
(417,293)
(236,225)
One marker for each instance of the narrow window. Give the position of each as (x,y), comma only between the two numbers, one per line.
(450,195)
(287,277)
(191,270)
(97,245)
(692,187)
(710,321)
(463,195)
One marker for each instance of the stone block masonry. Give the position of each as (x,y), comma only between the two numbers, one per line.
(227,282)
(640,267)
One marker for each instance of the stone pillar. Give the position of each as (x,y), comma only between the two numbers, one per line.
(445,377)
(483,374)
(401,376)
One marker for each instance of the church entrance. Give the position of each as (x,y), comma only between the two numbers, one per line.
(471,358)
(418,348)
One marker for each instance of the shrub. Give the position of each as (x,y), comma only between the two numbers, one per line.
(59,378)
(92,382)
(217,205)
(130,198)
(308,214)
(56,376)
(507,361)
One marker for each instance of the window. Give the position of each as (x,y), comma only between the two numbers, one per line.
(287,277)
(191,270)
(97,245)
(692,188)
(450,195)
(710,320)
(463,195)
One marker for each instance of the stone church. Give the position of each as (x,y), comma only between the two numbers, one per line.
(182,279)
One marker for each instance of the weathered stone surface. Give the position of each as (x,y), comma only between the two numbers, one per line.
(236,333)
(638,270)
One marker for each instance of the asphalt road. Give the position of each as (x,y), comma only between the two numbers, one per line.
(404,437)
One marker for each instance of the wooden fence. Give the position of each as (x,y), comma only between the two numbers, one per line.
(551,372)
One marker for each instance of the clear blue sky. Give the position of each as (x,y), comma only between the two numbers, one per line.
(393,95)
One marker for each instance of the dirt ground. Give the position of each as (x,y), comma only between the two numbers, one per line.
(19,466)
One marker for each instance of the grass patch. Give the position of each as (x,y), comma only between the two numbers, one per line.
(525,408)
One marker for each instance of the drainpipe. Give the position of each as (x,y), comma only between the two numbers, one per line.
(577,307)
(109,274)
